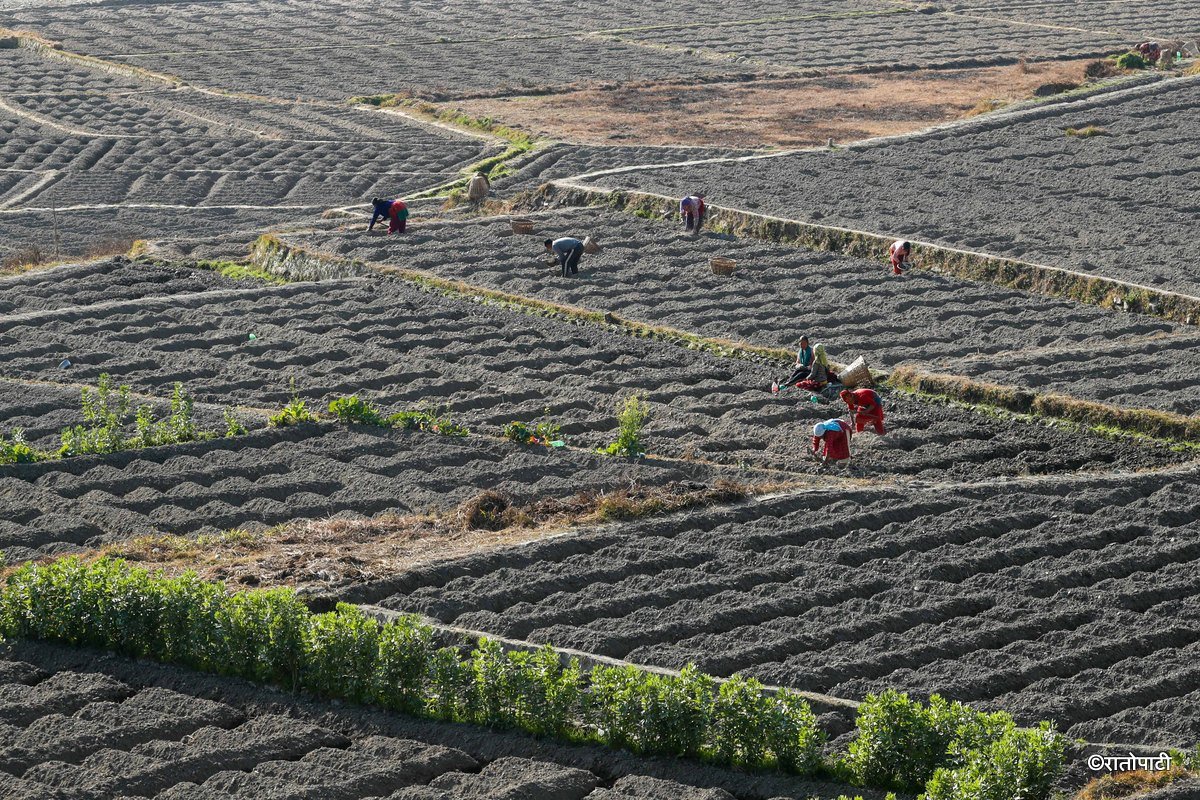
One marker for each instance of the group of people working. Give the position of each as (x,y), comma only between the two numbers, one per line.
(831,438)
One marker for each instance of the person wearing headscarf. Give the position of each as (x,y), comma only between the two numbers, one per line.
(831,440)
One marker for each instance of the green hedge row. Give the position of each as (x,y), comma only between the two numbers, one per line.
(270,636)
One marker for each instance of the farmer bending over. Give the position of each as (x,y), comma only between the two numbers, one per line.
(568,250)
(831,441)
(396,212)
(692,209)
(865,409)
(900,251)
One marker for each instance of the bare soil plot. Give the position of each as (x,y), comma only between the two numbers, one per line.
(652,271)
(458,49)
(1121,203)
(97,282)
(78,724)
(124,158)
(793,112)
(1162,19)
(269,477)
(487,366)
(560,160)
(1072,598)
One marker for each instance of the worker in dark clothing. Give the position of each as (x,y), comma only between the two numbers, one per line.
(568,250)
(395,211)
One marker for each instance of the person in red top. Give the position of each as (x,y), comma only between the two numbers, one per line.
(865,409)
(899,252)
(394,211)
(831,440)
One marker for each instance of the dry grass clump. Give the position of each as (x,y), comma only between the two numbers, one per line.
(1127,784)
(986,106)
(1110,419)
(1086,132)
(25,259)
(325,554)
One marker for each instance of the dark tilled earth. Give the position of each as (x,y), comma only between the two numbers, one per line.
(1120,204)
(487,366)
(1072,599)
(652,271)
(81,725)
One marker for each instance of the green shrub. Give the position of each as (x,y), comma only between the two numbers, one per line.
(294,413)
(354,410)
(518,432)
(233,426)
(341,650)
(901,742)
(752,728)
(543,432)
(652,713)
(793,735)
(427,420)
(632,416)
(450,686)
(104,414)
(1131,60)
(17,451)
(402,665)
(271,636)
(1019,763)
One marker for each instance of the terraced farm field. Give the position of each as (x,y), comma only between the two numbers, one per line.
(1072,598)
(79,724)
(408,348)
(1041,563)
(1117,203)
(652,271)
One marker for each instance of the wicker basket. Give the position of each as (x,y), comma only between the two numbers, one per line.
(591,246)
(723,266)
(855,375)
(522,226)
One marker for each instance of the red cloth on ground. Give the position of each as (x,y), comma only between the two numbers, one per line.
(810,386)
(836,443)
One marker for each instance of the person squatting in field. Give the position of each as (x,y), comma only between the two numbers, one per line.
(819,374)
(802,367)
(396,212)
(692,210)
(899,252)
(568,250)
(865,409)
(831,440)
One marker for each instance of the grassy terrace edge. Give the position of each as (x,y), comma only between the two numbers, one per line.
(278,257)
(270,636)
(1051,281)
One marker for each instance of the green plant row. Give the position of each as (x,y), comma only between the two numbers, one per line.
(354,410)
(271,636)
(106,411)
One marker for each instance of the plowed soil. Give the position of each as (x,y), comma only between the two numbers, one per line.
(1119,203)
(1070,599)
(654,272)
(80,724)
